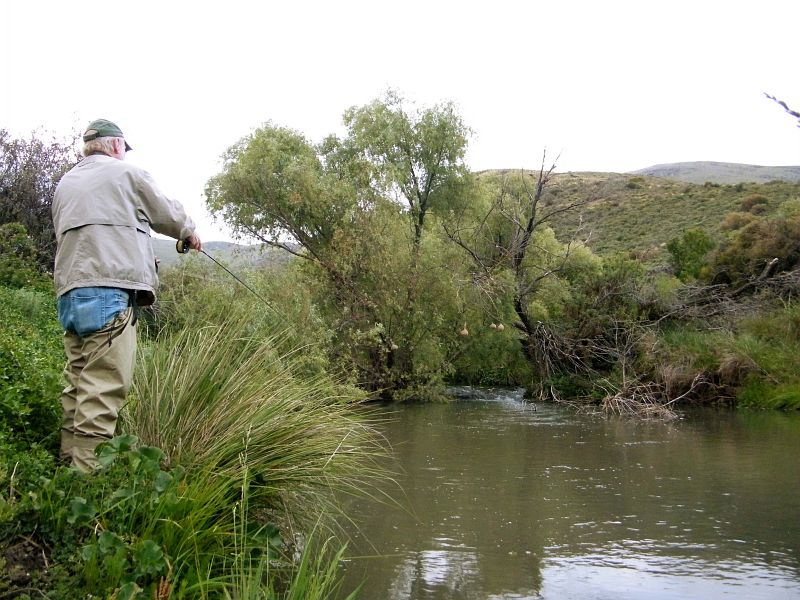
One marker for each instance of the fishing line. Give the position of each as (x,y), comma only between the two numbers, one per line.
(182,247)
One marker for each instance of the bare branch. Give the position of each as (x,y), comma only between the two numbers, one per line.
(794,113)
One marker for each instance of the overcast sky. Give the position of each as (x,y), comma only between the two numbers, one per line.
(609,85)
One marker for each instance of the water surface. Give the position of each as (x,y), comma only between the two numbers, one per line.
(503,499)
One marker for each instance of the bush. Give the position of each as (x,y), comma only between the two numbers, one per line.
(756,359)
(136,530)
(31,361)
(18,259)
(688,253)
(257,446)
(753,246)
(197,293)
(736,220)
(29,172)
(749,203)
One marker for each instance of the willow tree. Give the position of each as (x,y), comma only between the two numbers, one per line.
(416,158)
(344,206)
(273,187)
(417,155)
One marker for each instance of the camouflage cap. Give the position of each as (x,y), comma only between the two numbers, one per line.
(103,128)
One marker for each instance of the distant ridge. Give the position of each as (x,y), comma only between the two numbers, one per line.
(721,172)
(231,254)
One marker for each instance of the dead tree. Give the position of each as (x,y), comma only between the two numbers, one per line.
(504,239)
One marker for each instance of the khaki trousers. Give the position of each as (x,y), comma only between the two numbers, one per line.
(99,372)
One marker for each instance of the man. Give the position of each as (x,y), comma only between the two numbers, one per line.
(103,210)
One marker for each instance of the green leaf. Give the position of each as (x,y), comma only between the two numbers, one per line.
(152,453)
(80,511)
(128,591)
(124,443)
(109,542)
(162,482)
(108,452)
(149,559)
(122,494)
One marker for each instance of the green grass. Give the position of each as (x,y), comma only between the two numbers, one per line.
(217,398)
(758,393)
(759,355)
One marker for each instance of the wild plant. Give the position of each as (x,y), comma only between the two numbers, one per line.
(209,396)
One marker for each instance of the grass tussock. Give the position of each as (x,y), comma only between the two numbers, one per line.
(218,399)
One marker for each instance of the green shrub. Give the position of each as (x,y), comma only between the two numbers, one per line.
(758,355)
(31,361)
(753,246)
(135,530)
(688,253)
(736,220)
(198,293)
(749,203)
(18,259)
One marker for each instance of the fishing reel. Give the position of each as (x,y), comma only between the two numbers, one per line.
(182,246)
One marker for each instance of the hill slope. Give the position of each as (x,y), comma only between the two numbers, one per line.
(230,254)
(639,214)
(721,172)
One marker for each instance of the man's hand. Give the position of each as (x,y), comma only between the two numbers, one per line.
(194,242)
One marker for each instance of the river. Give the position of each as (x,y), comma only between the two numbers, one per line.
(501,499)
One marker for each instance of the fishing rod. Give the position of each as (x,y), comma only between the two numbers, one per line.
(182,246)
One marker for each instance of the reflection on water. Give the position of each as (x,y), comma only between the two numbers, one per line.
(510,500)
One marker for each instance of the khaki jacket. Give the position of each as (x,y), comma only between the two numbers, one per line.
(103,211)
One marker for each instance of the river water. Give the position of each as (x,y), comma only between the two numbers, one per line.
(500,499)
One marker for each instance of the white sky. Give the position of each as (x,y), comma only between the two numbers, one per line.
(611,85)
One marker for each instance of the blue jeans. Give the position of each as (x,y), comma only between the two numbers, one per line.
(85,310)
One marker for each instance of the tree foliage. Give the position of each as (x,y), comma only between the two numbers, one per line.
(334,205)
(416,154)
(508,237)
(19,257)
(29,172)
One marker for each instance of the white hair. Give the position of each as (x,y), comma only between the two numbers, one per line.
(101,144)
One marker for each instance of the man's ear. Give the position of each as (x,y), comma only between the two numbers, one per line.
(119,146)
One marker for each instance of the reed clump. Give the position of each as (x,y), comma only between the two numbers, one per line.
(218,399)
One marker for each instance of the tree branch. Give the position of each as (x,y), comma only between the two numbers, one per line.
(794,113)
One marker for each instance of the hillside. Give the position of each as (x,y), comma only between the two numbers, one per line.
(721,172)
(228,253)
(640,214)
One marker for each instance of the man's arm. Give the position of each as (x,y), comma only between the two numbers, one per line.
(166,216)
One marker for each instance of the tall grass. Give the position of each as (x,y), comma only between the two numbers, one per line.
(218,399)
(756,356)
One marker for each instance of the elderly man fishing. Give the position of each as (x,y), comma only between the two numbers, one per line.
(103,210)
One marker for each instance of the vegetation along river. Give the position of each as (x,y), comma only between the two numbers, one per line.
(505,499)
